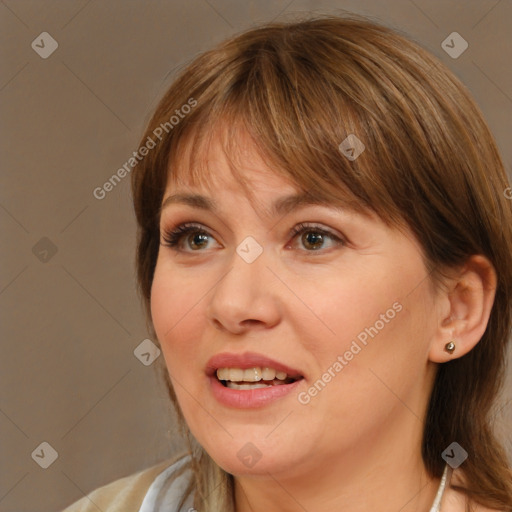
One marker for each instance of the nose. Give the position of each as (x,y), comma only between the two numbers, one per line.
(245,297)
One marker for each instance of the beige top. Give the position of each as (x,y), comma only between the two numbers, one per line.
(123,495)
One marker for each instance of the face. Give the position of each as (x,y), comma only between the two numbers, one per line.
(335,300)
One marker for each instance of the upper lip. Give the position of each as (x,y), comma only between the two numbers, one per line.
(248,360)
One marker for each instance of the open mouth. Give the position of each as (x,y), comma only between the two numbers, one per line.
(253,378)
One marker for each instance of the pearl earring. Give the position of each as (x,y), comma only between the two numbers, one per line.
(450,347)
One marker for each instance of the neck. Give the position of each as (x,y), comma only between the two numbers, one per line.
(388,475)
(408,489)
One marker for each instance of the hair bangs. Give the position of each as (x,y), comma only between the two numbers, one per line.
(293,135)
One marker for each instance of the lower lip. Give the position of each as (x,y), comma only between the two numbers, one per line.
(249,398)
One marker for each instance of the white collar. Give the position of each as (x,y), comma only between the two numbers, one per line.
(445,480)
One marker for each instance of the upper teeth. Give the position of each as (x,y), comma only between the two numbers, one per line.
(250,375)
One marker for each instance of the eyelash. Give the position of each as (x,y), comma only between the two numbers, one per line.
(173,237)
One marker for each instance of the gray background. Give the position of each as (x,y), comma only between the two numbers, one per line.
(72,320)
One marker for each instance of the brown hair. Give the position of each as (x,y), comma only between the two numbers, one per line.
(299,89)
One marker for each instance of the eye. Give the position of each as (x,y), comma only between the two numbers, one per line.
(173,238)
(313,237)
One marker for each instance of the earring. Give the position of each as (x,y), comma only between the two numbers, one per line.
(450,347)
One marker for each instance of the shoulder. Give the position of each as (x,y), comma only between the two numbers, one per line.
(128,494)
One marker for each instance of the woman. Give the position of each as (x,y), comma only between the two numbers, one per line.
(324,255)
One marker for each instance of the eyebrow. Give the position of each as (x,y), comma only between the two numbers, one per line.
(281,206)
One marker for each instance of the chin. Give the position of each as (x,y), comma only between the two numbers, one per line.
(257,457)
(257,467)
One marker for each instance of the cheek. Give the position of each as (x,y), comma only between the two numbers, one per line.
(373,320)
(383,341)
(174,310)
(175,313)
(348,309)
(164,306)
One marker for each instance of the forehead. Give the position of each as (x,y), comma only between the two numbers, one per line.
(224,157)
(217,165)
(217,160)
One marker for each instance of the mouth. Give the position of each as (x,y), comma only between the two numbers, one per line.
(250,380)
(253,378)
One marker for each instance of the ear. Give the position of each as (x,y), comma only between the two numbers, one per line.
(464,308)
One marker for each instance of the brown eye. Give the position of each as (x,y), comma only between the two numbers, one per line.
(192,233)
(313,238)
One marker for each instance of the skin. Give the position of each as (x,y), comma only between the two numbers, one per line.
(356,445)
